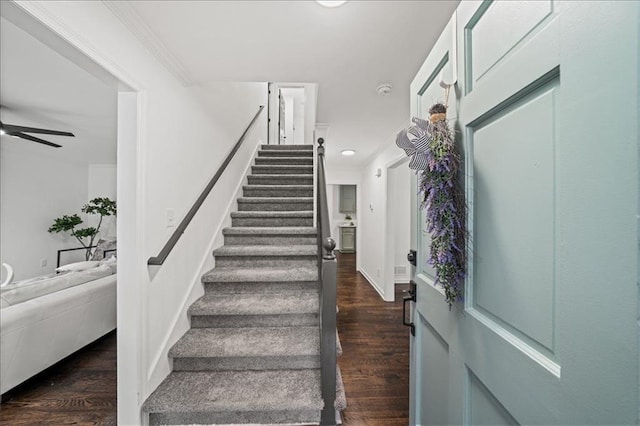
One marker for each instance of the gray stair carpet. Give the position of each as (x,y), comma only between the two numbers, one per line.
(252,355)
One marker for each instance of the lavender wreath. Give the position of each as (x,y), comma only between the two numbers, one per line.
(431,146)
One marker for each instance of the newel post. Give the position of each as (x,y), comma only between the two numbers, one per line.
(328,313)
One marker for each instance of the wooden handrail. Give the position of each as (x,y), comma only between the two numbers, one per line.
(164,253)
(327,269)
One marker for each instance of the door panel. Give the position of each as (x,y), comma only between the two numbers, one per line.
(484,408)
(494,31)
(433,404)
(513,233)
(548,331)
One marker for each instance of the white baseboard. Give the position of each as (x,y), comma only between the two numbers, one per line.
(373,283)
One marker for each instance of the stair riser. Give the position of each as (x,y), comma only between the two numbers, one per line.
(286,147)
(282,170)
(308,161)
(269,240)
(277,192)
(301,416)
(258,287)
(275,207)
(266,261)
(272,221)
(273,153)
(280,180)
(237,321)
(300,362)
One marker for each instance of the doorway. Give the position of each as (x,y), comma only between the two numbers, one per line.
(292,113)
(123,174)
(398,226)
(291,116)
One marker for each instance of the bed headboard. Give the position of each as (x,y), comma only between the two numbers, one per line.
(106,252)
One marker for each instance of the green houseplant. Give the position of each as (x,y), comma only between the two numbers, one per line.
(86,236)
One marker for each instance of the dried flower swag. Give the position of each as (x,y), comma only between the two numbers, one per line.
(430,144)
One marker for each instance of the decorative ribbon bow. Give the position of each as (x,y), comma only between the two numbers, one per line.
(415,142)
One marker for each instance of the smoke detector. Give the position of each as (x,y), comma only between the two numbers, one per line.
(383,89)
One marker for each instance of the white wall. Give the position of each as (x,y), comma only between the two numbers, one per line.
(401,218)
(298,121)
(342,176)
(180,144)
(34,191)
(103,183)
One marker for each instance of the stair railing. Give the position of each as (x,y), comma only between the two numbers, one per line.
(164,253)
(327,269)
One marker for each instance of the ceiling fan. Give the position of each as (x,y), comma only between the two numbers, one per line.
(21,132)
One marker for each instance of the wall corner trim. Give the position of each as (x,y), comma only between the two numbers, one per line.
(131,19)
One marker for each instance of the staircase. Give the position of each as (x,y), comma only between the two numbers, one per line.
(252,355)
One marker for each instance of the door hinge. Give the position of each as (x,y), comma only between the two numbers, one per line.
(410,296)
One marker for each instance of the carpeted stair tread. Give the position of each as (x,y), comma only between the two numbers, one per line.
(277,190)
(210,397)
(301,160)
(246,342)
(283,230)
(288,153)
(296,147)
(282,169)
(341,397)
(279,179)
(262,250)
(293,302)
(304,273)
(291,187)
(276,214)
(269,200)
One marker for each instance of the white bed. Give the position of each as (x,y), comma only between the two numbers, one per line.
(45,320)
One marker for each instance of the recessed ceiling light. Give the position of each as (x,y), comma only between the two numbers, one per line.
(331,3)
(348,152)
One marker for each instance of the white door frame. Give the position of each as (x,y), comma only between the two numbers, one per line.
(390,231)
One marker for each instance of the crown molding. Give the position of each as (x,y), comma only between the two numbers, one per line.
(125,12)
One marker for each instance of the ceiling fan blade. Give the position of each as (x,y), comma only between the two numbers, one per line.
(17,129)
(33,139)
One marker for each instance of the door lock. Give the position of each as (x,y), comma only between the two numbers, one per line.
(410,296)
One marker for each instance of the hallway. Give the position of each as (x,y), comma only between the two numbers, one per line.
(375,360)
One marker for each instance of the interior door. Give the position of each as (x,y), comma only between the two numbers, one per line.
(548,330)
(282,136)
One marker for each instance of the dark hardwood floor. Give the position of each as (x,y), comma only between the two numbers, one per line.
(375,344)
(79,390)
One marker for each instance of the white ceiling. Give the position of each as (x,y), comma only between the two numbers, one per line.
(348,51)
(41,88)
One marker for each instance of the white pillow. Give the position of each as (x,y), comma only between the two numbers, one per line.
(79,266)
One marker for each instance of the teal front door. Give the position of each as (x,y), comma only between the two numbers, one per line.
(545,108)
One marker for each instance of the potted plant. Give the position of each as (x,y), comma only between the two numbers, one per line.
(86,236)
